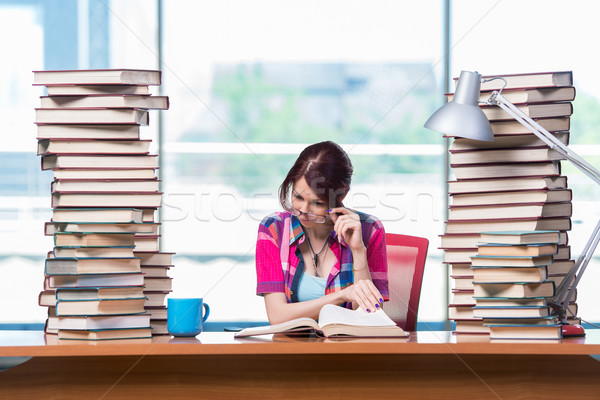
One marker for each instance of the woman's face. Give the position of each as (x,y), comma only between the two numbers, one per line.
(305,200)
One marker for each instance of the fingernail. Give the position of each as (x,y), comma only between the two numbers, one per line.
(376,305)
(334,233)
(329,210)
(381,301)
(368,310)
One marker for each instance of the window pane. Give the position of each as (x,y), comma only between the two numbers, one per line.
(259,84)
(52,34)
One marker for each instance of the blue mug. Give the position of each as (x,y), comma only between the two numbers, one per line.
(184,316)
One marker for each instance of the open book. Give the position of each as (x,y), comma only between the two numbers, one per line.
(335,321)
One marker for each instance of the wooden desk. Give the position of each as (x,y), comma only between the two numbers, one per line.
(430,365)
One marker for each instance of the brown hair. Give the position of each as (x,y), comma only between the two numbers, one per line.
(327,170)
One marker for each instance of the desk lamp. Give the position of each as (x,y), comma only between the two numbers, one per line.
(463,117)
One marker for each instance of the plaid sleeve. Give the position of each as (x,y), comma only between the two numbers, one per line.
(269,274)
(377,258)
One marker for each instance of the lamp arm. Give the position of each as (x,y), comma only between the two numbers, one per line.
(548,138)
(567,288)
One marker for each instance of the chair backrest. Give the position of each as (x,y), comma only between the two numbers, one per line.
(406,262)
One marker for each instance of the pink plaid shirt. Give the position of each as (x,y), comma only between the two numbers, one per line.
(275,275)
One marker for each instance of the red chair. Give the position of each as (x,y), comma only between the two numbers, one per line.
(406,262)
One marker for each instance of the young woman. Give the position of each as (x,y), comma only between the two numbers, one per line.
(318,252)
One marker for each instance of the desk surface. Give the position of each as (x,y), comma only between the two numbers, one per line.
(36,344)
(428,365)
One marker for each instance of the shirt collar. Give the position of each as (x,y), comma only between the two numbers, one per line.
(296,231)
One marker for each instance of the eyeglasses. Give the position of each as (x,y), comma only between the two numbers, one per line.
(319,219)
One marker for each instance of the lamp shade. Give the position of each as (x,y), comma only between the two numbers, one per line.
(462,116)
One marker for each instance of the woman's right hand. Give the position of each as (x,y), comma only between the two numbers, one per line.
(365,294)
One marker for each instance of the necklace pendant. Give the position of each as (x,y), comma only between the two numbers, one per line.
(316,261)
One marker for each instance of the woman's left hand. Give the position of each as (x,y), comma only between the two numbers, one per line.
(346,225)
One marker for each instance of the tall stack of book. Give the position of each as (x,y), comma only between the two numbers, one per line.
(511,183)
(511,281)
(105,277)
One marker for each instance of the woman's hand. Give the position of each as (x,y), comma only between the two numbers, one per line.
(365,294)
(346,225)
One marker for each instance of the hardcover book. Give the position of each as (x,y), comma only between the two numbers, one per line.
(505,274)
(100,307)
(508,127)
(160,284)
(100,293)
(532,96)
(76,266)
(86,323)
(155,258)
(101,161)
(515,128)
(521,237)
(528,80)
(105,185)
(88,131)
(509,261)
(547,110)
(506,184)
(512,155)
(98,280)
(513,197)
(110,199)
(87,90)
(97,215)
(91,116)
(511,311)
(155,298)
(97,77)
(535,249)
(93,239)
(105,334)
(525,331)
(504,170)
(459,255)
(156,271)
(92,146)
(511,302)
(558,224)
(450,241)
(106,173)
(504,142)
(510,211)
(517,289)
(107,101)
(50,228)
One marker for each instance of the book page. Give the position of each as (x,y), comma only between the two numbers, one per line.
(299,324)
(332,314)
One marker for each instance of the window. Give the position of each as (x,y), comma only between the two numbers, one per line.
(252,83)
(255,85)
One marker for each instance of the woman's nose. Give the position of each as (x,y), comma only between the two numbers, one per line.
(303,207)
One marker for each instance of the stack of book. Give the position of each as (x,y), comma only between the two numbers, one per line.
(155,267)
(511,183)
(105,276)
(511,279)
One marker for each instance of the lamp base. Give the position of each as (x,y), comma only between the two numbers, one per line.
(572,330)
